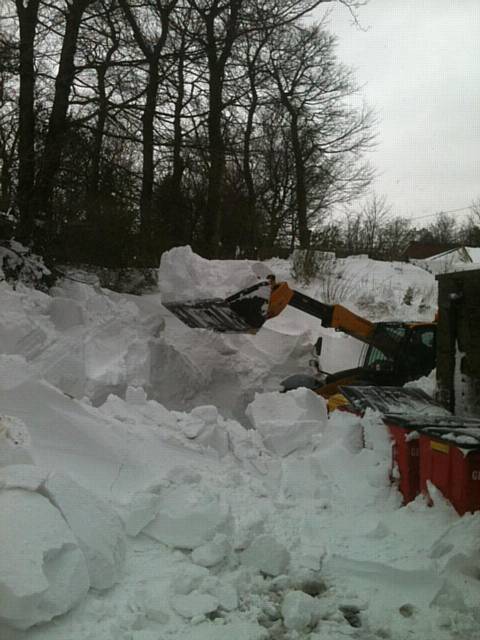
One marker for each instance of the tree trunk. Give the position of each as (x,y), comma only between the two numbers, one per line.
(27,17)
(94,182)
(178,216)
(148,118)
(303,231)
(57,125)
(217,164)
(217,60)
(247,171)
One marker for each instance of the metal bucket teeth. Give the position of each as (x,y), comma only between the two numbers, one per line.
(214,314)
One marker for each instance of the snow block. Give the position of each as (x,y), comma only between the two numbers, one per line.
(299,610)
(225,592)
(266,555)
(151,598)
(287,421)
(187,518)
(188,579)
(141,510)
(65,313)
(96,526)
(210,554)
(14,371)
(14,442)
(22,476)
(43,572)
(194,604)
(205,426)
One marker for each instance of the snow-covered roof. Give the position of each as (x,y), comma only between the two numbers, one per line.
(465,254)
(474,253)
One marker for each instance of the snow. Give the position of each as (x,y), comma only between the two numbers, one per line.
(266,555)
(187,517)
(43,573)
(210,554)
(15,444)
(155,484)
(287,421)
(299,610)
(96,526)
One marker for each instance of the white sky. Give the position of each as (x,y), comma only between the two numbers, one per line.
(419,64)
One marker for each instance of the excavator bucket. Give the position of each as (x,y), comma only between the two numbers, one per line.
(243,312)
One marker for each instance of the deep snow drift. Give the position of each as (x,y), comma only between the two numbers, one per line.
(138,503)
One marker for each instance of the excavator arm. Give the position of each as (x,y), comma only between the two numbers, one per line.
(247,310)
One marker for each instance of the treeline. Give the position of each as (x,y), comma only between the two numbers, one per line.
(128,127)
(371,228)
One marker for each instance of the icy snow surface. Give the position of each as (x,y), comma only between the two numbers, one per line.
(138,503)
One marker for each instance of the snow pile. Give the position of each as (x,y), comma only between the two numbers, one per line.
(60,541)
(289,421)
(203,429)
(184,275)
(80,339)
(291,529)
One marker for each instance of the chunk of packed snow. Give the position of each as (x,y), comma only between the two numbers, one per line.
(188,579)
(22,476)
(43,572)
(135,395)
(15,444)
(187,518)
(205,427)
(140,511)
(152,597)
(14,370)
(298,610)
(225,592)
(194,604)
(96,526)
(267,555)
(184,275)
(287,421)
(65,313)
(211,553)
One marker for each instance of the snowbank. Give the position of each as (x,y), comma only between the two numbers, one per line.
(288,529)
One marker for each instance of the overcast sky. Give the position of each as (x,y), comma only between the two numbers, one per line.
(419,62)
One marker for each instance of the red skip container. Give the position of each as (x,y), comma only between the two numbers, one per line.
(450,459)
(411,453)
(405,458)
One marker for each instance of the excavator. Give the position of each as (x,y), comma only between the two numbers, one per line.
(396,352)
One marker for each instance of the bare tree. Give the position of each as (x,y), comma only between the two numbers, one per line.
(444,230)
(327,136)
(8,119)
(151,40)
(27,13)
(58,122)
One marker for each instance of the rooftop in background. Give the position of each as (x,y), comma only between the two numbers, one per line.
(421,250)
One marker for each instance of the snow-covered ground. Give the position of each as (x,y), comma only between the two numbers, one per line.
(138,503)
